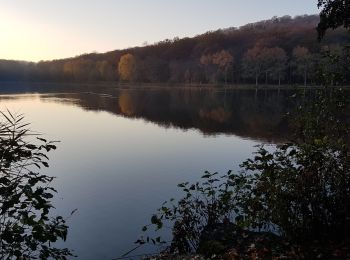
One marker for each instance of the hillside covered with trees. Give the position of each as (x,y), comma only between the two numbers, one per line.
(282,50)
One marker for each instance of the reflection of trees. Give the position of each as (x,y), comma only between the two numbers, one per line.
(256,114)
(126,104)
(219,114)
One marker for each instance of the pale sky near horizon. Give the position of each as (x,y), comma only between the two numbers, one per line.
(44,30)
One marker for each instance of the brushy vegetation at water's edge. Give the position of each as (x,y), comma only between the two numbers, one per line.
(27,229)
(291,202)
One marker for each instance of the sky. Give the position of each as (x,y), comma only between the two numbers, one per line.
(46,29)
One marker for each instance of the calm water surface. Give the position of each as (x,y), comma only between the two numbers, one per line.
(122,151)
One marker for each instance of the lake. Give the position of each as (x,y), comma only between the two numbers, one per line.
(122,151)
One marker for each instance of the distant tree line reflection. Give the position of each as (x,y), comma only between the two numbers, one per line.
(259,114)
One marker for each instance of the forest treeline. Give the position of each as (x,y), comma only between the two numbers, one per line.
(282,50)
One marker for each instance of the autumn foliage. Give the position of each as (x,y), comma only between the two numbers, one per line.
(281,50)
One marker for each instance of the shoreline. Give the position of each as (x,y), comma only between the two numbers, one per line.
(113,84)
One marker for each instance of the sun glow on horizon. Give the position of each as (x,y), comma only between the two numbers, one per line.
(46,30)
(27,39)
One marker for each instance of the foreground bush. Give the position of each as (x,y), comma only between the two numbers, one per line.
(292,201)
(27,230)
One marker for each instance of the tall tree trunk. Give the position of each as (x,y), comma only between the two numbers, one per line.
(206,74)
(256,79)
(305,75)
(233,77)
(265,77)
(279,78)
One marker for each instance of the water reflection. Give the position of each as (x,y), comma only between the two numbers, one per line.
(117,170)
(255,114)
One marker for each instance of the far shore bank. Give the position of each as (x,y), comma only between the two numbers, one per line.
(138,85)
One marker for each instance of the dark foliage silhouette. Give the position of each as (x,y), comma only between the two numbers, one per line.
(27,229)
(335,13)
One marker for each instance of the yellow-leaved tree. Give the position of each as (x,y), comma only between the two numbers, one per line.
(126,67)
